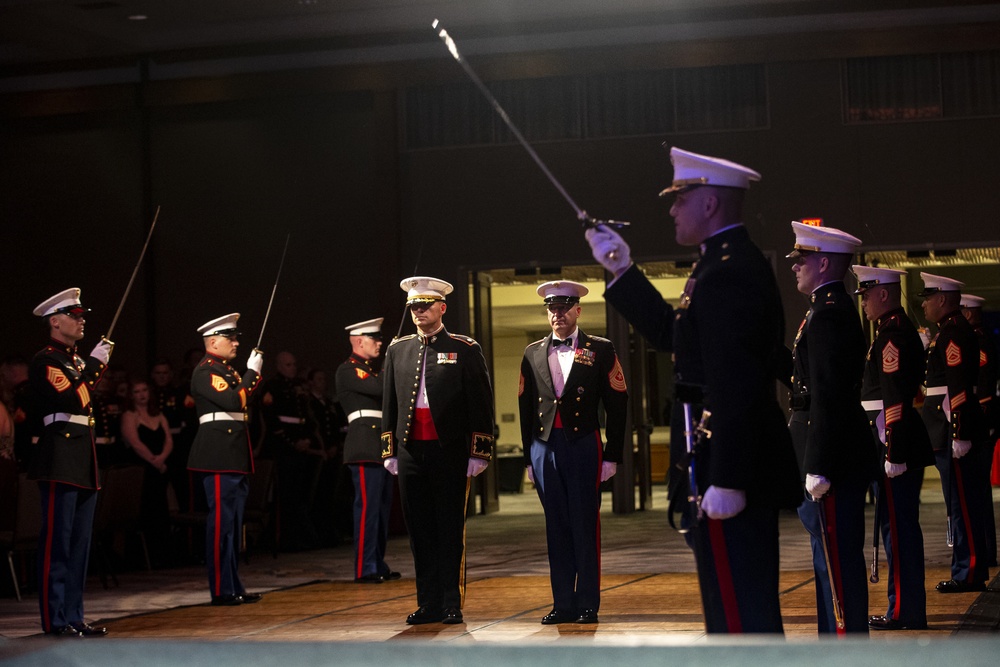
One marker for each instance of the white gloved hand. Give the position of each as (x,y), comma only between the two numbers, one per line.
(256,361)
(925,336)
(531,474)
(609,249)
(102,351)
(608,470)
(960,448)
(720,503)
(476,466)
(392,465)
(817,486)
(894,469)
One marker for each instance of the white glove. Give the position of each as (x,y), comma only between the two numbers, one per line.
(817,486)
(960,448)
(392,465)
(609,249)
(476,466)
(531,475)
(720,503)
(894,469)
(925,336)
(256,361)
(608,470)
(102,351)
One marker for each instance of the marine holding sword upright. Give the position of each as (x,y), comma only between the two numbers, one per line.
(221,453)
(893,372)
(65,462)
(725,335)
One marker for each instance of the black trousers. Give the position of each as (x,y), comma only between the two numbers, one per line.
(433,489)
(738,568)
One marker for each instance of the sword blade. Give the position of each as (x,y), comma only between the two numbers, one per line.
(274,289)
(135,271)
(581,215)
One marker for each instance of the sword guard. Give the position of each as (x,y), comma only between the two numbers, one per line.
(593,223)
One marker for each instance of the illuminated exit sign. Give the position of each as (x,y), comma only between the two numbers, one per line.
(812,222)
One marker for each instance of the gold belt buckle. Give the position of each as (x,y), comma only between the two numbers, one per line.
(91,422)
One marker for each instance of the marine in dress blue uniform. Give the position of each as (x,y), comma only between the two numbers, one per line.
(830,431)
(65,462)
(957,428)
(359,391)
(893,374)
(437,433)
(986,392)
(725,334)
(222,455)
(565,377)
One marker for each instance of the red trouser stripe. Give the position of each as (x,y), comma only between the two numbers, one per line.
(897,574)
(217,548)
(47,562)
(717,539)
(600,464)
(829,508)
(965,518)
(361,524)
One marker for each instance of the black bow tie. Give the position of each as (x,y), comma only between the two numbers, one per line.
(556,342)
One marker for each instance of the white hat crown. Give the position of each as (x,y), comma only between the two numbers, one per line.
(220,325)
(66,300)
(934,283)
(562,290)
(972,301)
(692,169)
(425,288)
(366,327)
(811,238)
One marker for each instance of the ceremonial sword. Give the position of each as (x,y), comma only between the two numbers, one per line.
(838,612)
(107,337)
(581,215)
(273,290)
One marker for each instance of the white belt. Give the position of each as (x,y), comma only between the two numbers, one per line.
(66,417)
(936,391)
(871,406)
(175,430)
(101,440)
(221,417)
(291,420)
(358,414)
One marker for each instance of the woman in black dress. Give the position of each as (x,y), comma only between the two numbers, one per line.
(147,433)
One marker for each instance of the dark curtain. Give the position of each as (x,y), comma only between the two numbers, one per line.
(892,89)
(721,98)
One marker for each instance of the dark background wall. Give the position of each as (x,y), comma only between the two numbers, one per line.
(239,162)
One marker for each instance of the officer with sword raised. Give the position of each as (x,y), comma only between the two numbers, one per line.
(726,335)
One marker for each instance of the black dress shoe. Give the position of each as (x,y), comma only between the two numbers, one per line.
(425,615)
(227,601)
(952,586)
(587,616)
(88,630)
(64,631)
(557,616)
(250,598)
(373,578)
(886,623)
(452,616)
(391,576)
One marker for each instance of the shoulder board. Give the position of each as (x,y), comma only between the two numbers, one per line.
(537,342)
(399,340)
(599,339)
(465,339)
